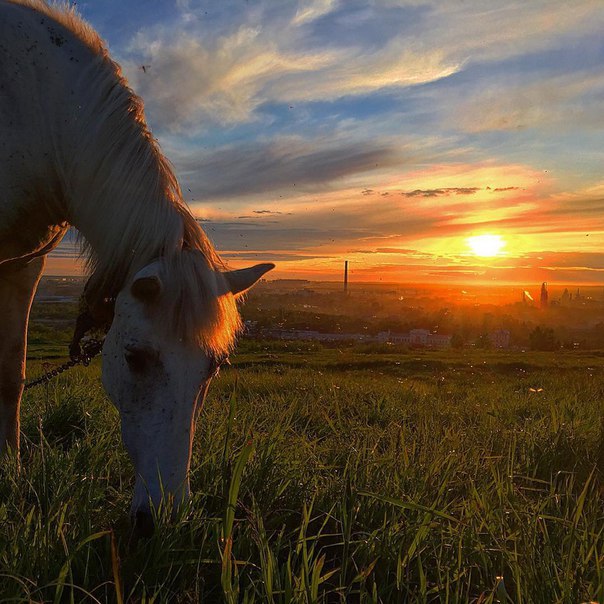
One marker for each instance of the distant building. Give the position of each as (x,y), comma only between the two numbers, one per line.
(416,337)
(438,340)
(393,338)
(419,337)
(544,295)
(311,334)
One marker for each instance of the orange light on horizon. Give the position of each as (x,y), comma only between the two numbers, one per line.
(486,246)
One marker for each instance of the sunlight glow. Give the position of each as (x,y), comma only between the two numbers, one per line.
(486,246)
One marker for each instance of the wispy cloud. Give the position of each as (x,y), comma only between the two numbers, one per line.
(293,163)
(567,101)
(309,10)
(444,192)
(191,79)
(264,56)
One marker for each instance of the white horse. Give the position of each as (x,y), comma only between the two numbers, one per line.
(75,150)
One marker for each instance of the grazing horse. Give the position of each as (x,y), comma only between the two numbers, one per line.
(75,150)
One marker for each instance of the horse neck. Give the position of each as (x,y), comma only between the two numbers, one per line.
(123,196)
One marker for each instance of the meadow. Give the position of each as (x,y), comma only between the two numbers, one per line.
(325,475)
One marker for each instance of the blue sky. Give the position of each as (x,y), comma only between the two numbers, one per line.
(385,132)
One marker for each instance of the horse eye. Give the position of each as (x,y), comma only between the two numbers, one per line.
(139,359)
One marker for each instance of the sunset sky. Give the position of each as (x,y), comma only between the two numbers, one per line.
(385,132)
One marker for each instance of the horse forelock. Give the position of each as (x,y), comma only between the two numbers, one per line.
(201,310)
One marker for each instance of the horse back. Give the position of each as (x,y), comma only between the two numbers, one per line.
(37,73)
(39,70)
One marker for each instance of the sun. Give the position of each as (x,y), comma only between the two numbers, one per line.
(486,246)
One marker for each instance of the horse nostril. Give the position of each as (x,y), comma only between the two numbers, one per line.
(143,523)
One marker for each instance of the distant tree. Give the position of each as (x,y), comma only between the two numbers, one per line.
(457,341)
(597,335)
(543,338)
(483,341)
(376,306)
(488,320)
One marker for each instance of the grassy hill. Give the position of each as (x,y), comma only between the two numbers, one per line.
(368,475)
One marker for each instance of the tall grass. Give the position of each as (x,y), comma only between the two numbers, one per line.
(326,476)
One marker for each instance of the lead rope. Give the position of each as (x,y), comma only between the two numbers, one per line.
(91,347)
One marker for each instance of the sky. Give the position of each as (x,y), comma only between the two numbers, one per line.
(390,133)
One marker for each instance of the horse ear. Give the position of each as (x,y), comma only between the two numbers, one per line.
(241,280)
(146,289)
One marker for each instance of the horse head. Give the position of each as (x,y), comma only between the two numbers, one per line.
(157,377)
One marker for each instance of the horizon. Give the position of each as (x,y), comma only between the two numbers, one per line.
(418,140)
(427,285)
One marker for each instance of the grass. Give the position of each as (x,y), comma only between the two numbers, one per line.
(326,476)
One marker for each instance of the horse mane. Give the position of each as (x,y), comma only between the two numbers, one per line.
(131,210)
(66,15)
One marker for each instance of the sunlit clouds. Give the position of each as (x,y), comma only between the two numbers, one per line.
(391,134)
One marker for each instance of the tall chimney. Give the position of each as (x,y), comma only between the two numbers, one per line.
(544,295)
(346,276)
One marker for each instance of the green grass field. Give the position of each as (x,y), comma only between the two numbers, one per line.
(326,475)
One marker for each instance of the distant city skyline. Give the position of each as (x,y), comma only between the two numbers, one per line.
(424,141)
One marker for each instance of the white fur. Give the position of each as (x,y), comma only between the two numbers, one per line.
(157,403)
(75,149)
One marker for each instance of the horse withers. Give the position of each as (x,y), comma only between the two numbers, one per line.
(75,150)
